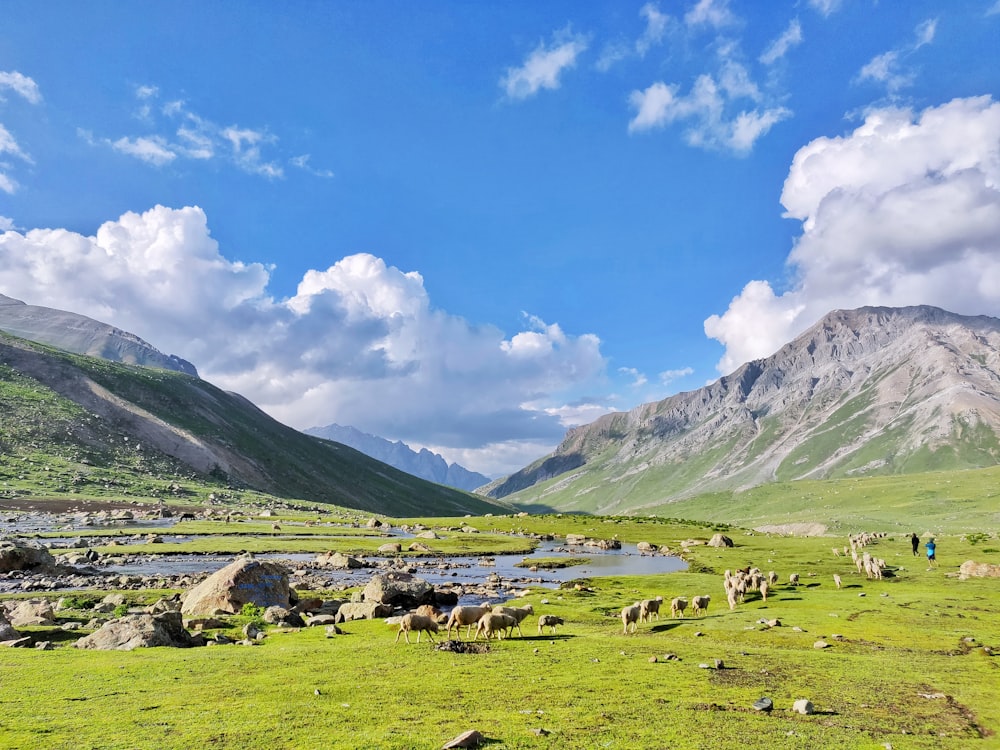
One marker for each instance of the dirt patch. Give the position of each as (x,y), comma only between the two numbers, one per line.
(794,529)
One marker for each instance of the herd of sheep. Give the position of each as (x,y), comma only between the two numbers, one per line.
(501,621)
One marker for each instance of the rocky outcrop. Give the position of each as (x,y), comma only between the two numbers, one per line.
(17,554)
(140,631)
(244,581)
(972,569)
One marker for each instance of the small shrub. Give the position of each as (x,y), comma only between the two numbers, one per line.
(251,610)
(121,610)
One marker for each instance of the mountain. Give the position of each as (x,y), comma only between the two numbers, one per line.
(82,422)
(425,464)
(871,391)
(83,335)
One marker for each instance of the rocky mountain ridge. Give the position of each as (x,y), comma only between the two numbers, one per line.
(83,335)
(869,391)
(424,464)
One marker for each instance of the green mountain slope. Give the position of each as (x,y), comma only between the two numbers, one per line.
(72,424)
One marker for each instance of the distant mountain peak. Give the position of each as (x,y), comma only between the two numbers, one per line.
(423,463)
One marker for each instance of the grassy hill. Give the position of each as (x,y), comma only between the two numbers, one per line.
(82,426)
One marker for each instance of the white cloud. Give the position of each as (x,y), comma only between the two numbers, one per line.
(889,67)
(302,162)
(792,37)
(994,9)
(6,224)
(669,376)
(543,67)
(153,150)
(904,210)
(20,84)
(825,7)
(656,27)
(638,378)
(9,146)
(714,13)
(359,343)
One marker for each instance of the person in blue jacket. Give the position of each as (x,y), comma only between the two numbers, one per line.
(931,548)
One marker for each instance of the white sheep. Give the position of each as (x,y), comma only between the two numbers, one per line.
(413,622)
(699,604)
(549,621)
(630,616)
(518,613)
(494,622)
(836,580)
(793,579)
(648,608)
(677,606)
(466,615)
(764,588)
(772,578)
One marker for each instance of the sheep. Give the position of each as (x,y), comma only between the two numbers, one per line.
(699,604)
(549,621)
(764,588)
(836,580)
(466,615)
(836,552)
(429,610)
(494,622)
(677,606)
(630,616)
(518,613)
(793,579)
(648,608)
(772,578)
(419,623)
(731,598)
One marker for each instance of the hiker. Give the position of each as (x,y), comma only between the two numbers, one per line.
(931,548)
(915,542)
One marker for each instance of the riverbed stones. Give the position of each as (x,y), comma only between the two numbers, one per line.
(139,631)
(244,581)
(339,561)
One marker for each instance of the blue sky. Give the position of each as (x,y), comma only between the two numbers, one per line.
(471,226)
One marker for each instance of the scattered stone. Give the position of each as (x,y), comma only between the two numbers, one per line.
(803,706)
(862,594)
(390,548)
(719,664)
(332,630)
(698,634)
(653,660)
(821,644)
(720,540)
(703,665)
(140,631)
(972,569)
(339,561)
(774,623)
(763,704)
(44,645)
(471,738)
(671,657)
(540,732)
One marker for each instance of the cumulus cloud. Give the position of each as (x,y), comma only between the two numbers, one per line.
(359,342)
(791,37)
(714,13)
(656,27)
(904,210)
(544,66)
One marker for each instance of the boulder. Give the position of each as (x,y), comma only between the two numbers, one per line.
(283,618)
(972,569)
(429,534)
(575,539)
(139,631)
(362,611)
(17,554)
(30,612)
(645,547)
(7,632)
(244,581)
(390,548)
(399,590)
(338,561)
(803,706)
(720,540)
(418,547)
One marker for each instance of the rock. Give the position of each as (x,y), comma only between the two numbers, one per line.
(399,590)
(429,534)
(803,706)
(821,644)
(971,569)
(283,618)
(390,548)
(418,547)
(653,660)
(471,738)
(338,561)
(17,554)
(575,539)
(363,611)
(139,631)
(332,630)
(645,547)
(31,612)
(774,623)
(244,581)
(720,540)
(763,704)
(44,646)
(23,642)
(320,620)
(719,664)
(7,631)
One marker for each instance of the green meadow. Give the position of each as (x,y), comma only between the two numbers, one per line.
(913,661)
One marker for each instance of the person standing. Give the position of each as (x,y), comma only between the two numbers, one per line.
(931,548)
(915,543)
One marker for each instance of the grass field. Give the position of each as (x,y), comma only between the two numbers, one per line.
(910,664)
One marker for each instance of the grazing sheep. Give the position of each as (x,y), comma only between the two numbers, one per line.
(466,615)
(648,608)
(699,604)
(429,610)
(793,579)
(549,621)
(275,527)
(677,606)
(836,552)
(772,578)
(420,623)
(518,613)
(731,598)
(630,616)
(764,588)
(494,622)
(836,580)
